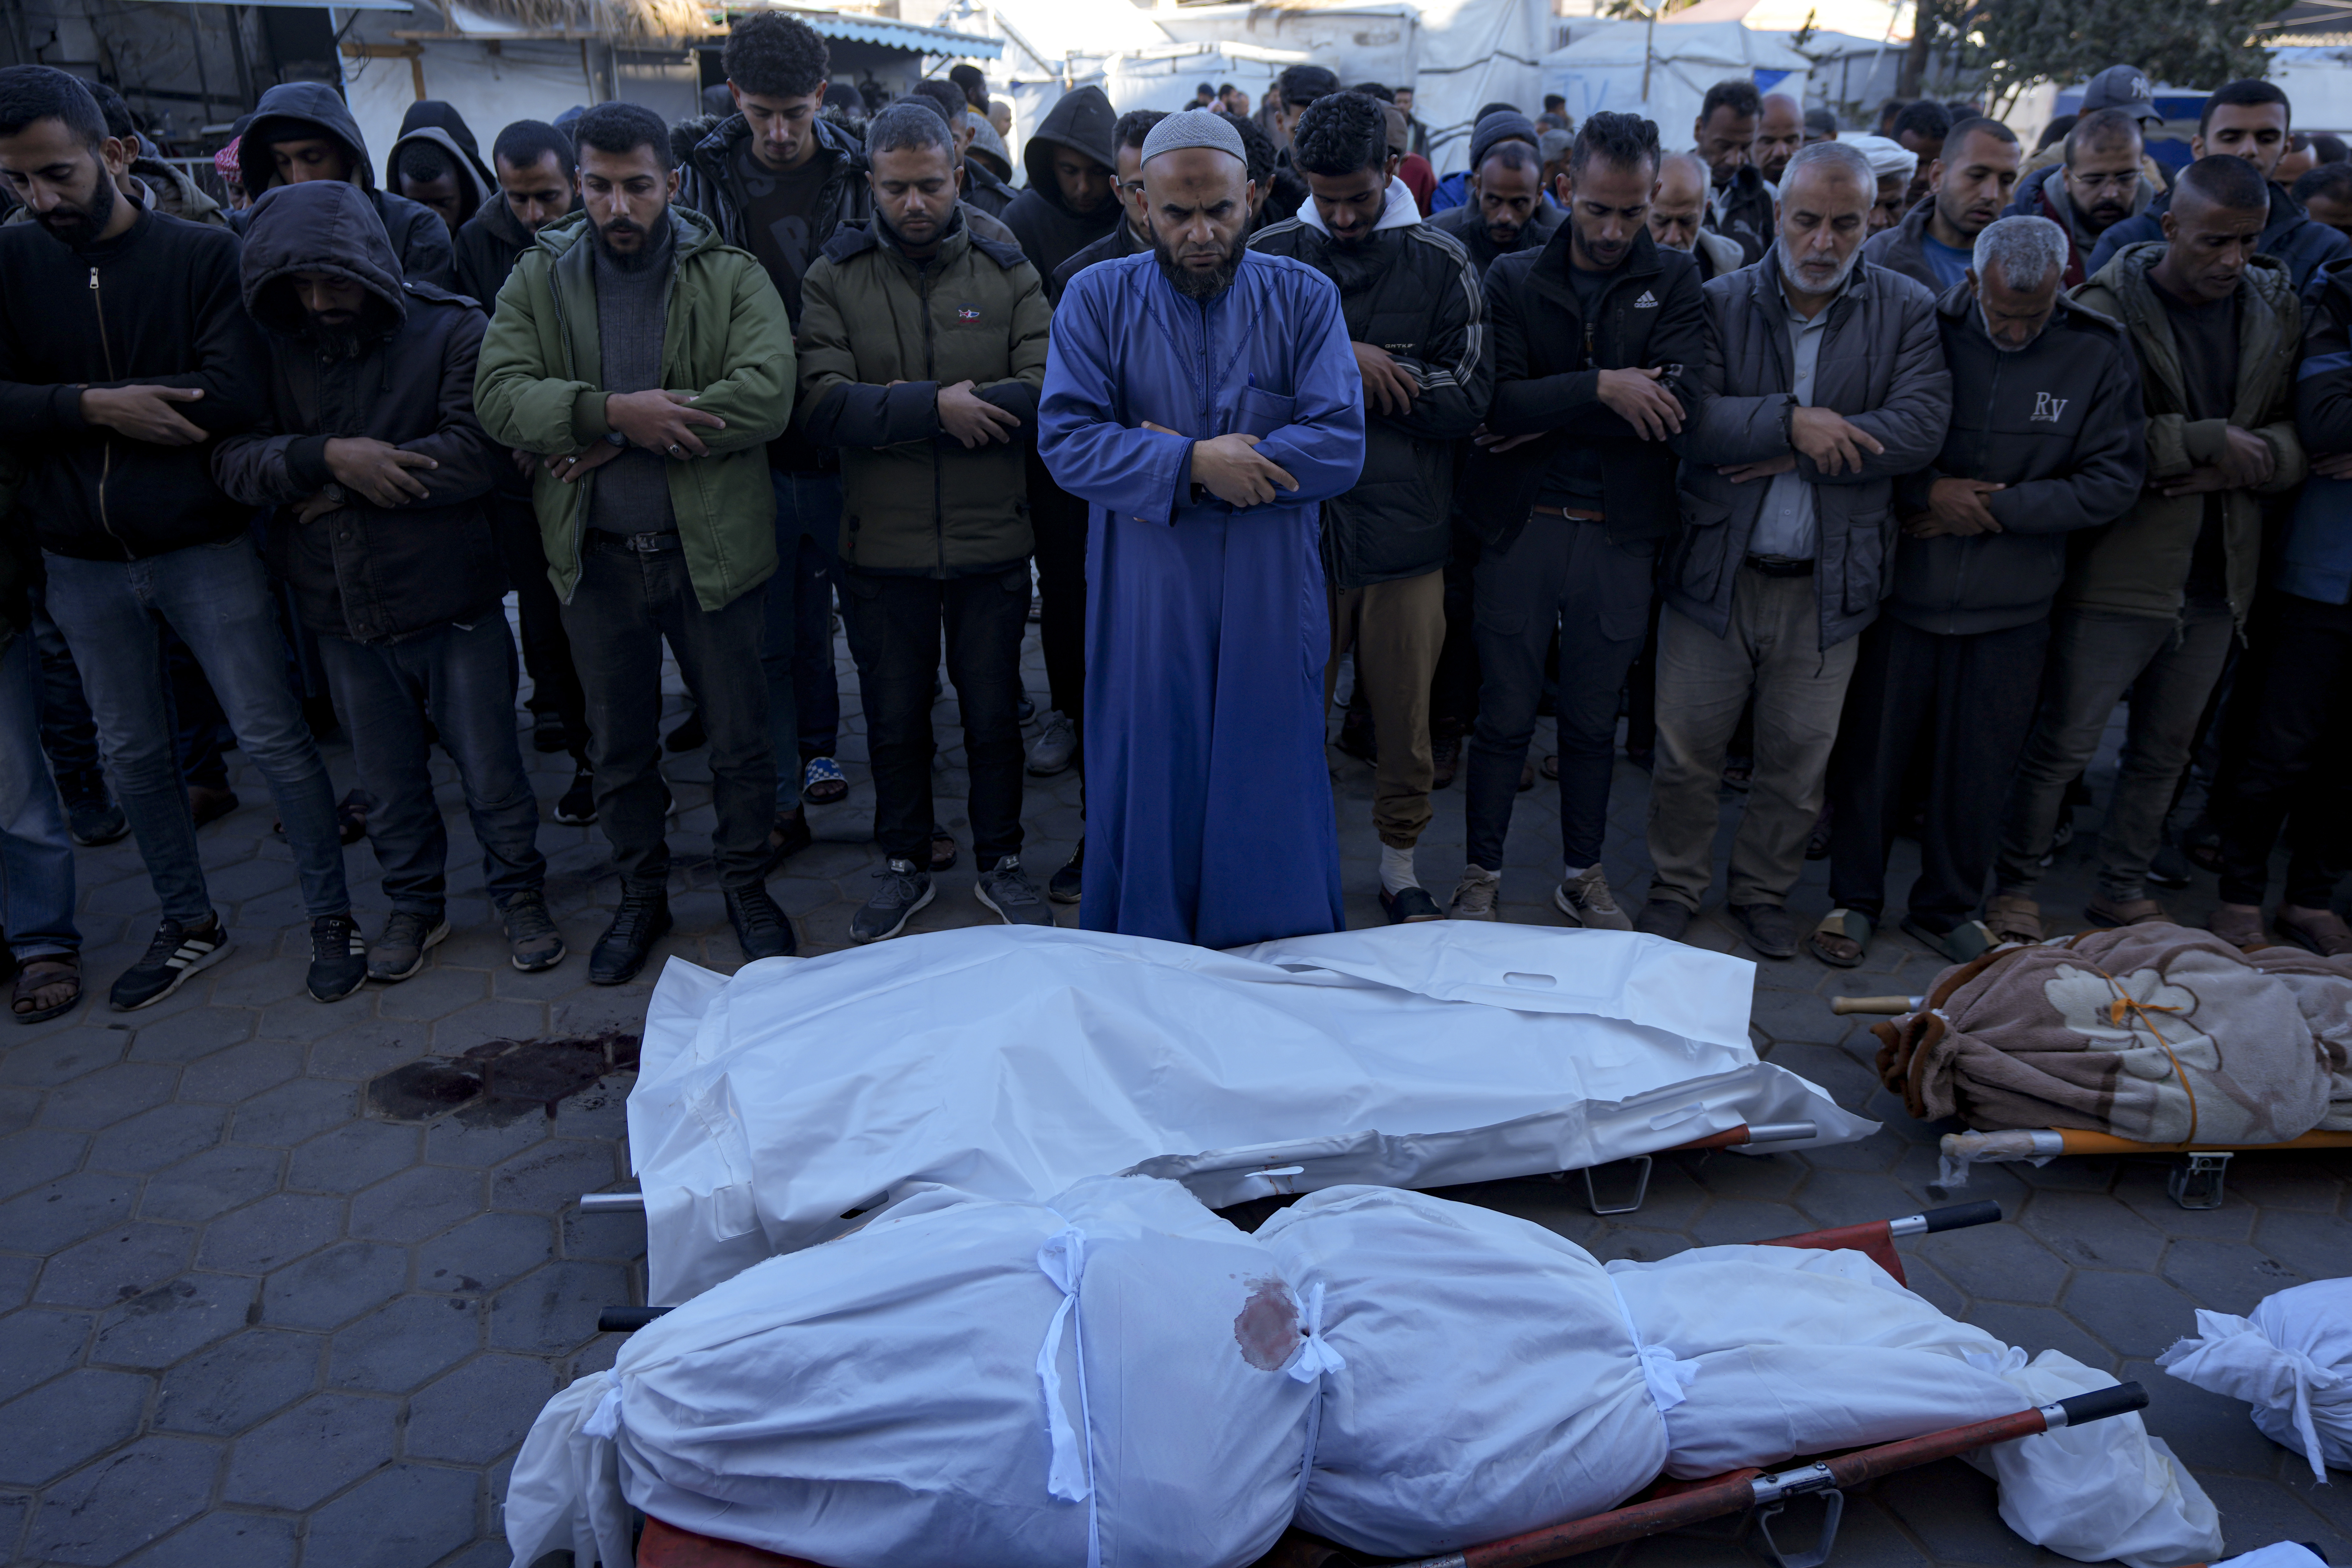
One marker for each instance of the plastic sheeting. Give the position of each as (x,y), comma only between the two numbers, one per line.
(1662,72)
(777,1109)
(2290,1359)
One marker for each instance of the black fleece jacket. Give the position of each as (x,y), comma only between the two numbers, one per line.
(1049,232)
(157,306)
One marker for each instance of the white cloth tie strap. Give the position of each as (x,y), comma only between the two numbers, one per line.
(605,1421)
(1071,1474)
(1665,1376)
(1314,1360)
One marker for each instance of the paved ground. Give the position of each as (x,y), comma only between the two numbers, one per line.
(255,1316)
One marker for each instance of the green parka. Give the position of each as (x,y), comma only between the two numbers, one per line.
(726,340)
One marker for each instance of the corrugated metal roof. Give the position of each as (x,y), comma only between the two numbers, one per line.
(895,35)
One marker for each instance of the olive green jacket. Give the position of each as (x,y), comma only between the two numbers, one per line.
(726,341)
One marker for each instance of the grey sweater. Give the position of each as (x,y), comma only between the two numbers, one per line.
(631,491)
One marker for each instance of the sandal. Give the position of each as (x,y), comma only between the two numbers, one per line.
(352,815)
(1551,768)
(43,974)
(2013,917)
(1845,926)
(1964,943)
(2325,934)
(2103,910)
(943,850)
(821,782)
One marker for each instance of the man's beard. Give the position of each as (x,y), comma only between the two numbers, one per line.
(1997,343)
(649,249)
(1503,236)
(1207,285)
(1804,285)
(80,227)
(1671,245)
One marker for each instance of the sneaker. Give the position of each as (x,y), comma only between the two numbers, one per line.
(642,921)
(1770,930)
(689,736)
(1410,905)
(207,805)
(1474,895)
(532,939)
(1586,899)
(760,925)
(400,952)
(338,958)
(549,732)
(1070,882)
(95,822)
(1662,917)
(788,836)
(578,806)
(904,889)
(1056,746)
(1008,890)
(176,953)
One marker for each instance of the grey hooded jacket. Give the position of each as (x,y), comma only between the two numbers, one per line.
(1881,366)
(302,109)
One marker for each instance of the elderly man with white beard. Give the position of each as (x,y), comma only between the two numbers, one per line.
(2046,440)
(1825,384)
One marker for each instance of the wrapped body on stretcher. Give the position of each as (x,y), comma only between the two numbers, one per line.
(1119,1377)
(782,1106)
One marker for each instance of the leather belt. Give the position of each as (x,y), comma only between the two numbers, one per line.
(1780,565)
(1574,514)
(661,544)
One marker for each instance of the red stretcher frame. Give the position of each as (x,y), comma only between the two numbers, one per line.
(1666,1506)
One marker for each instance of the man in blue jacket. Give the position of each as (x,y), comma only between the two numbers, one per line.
(1203,400)
(2249,119)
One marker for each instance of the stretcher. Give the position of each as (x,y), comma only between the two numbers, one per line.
(2198,1181)
(1667,1505)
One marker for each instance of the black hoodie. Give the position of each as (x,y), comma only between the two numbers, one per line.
(429,119)
(404,376)
(295,110)
(1049,231)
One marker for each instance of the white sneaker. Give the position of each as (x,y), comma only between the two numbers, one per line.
(1586,901)
(1473,896)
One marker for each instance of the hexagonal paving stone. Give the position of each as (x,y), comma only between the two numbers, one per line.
(1995,1263)
(187,1036)
(553,1175)
(303,1456)
(40,1344)
(2092,1230)
(114,1267)
(420,1201)
(154,1139)
(107,1096)
(66,1422)
(157,1327)
(134,1497)
(63,1056)
(478,1411)
(486,1252)
(239,1381)
(2318,1245)
(470,1138)
(2135,1315)
(241,1072)
(404,1517)
(224,1540)
(294,1112)
(405,1342)
(56,1214)
(354,1155)
(554,1309)
(209,1183)
(329,1288)
(2226,1276)
(274,1231)
(39,1154)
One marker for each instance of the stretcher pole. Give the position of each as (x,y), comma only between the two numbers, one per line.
(1744,1489)
(1875,1240)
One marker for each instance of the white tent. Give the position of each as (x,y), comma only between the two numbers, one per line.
(1662,72)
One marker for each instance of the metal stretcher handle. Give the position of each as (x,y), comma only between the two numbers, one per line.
(1842,1005)
(626,1319)
(1958,1217)
(1743,1489)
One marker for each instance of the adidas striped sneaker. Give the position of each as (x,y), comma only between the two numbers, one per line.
(177,952)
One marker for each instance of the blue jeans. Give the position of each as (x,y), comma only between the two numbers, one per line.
(37,865)
(217,599)
(803,703)
(464,677)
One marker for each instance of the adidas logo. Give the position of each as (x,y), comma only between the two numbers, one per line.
(1648,301)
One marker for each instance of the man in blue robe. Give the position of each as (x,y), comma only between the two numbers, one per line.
(1205,401)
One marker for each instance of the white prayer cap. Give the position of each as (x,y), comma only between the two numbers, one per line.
(1886,157)
(1180,130)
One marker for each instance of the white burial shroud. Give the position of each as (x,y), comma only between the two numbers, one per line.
(779,1108)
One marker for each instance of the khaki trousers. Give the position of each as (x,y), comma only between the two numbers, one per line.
(1396,630)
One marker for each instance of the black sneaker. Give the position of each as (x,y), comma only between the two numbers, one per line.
(338,958)
(904,889)
(95,822)
(400,952)
(578,806)
(788,837)
(549,732)
(176,953)
(532,941)
(1008,890)
(642,921)
(760,926)
(1066,884)
(689,736)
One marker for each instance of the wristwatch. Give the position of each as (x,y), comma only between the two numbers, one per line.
(617,439)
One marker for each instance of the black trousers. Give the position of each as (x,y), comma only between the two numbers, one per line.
(2293,747)
(1453,691)
(1971,700)
(546,650)
(1059,522)
(626,604)
(894,630)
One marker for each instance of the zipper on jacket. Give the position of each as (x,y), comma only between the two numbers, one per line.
(931,374)
(106,445)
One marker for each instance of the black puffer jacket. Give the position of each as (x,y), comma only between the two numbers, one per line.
(1548,366)
(710,180)
(488,244)
(1049,231)
(1411,290)
(2058,423)
(156,306)
(305,109)
(405,376)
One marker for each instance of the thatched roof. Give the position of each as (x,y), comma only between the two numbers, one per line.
(634,21)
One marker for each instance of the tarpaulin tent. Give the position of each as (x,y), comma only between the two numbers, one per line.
(1661,72)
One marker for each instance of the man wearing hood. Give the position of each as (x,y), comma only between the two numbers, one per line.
(2248,119)
(437,162)
(655,505)
(2098,186)
(304,131)
(1968,185)
(1135,234)
(124,353)
(1738,204)
(377,474)
(2152,603)
(1072,161)
(778,178)
(1205,401)
(1410,301)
